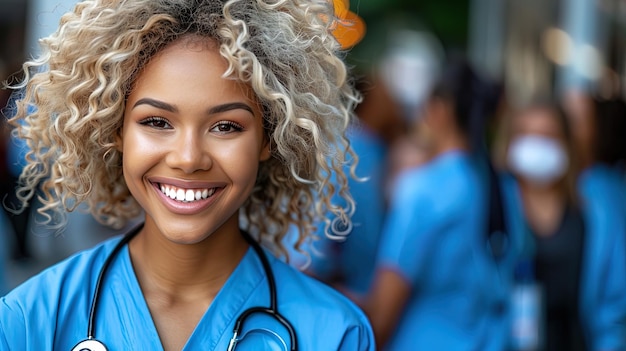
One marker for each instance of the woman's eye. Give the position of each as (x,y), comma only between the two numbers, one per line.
(156,122)
(227,127)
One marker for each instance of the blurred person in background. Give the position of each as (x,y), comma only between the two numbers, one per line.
(409,68)
(573,245)
(15,160)
(399,58)
(5,231)
(5,226)
(595,136)
(10,221)
(391,100)
(436,287)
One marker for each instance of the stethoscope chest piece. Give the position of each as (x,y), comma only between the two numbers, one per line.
(90,345)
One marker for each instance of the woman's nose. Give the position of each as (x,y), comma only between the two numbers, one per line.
(189,154)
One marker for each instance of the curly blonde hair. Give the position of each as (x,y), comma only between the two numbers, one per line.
(74,97)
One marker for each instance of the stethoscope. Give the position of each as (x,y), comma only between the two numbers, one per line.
(93,344)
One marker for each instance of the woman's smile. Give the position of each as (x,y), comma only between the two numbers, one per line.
(187,200)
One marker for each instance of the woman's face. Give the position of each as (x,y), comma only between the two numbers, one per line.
(537,152)
(191,142)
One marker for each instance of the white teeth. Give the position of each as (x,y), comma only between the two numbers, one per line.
(186,195)
(189,195)
(180,195)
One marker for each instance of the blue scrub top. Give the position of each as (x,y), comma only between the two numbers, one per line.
(435,238)
(50,311)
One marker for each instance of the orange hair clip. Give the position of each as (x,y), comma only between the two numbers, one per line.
(348,28)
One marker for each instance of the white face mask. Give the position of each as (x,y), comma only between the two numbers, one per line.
(537,159)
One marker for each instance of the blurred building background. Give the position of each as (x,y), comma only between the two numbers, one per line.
(534,46)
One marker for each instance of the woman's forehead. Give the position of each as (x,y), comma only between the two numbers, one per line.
(189,70)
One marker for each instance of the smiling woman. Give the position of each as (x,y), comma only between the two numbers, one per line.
(198,115)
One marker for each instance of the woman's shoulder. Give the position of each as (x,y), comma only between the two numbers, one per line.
(325,310)
(59,292)
(312,293)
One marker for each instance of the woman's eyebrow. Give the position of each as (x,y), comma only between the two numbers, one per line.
(213,110)
(156,103)
(230,106)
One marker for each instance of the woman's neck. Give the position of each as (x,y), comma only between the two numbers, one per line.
(174,271)
(543,207)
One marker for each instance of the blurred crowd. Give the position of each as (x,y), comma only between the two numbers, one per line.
(482,222)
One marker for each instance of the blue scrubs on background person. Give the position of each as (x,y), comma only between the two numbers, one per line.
(435,239)
(322,318)
(605,179)
(436,285)
(349,264)
(5,230)
(603,285)
(604,297)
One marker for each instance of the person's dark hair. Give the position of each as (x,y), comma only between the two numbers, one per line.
(474,98)
(611,126)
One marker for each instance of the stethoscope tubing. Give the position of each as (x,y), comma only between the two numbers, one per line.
(91,343)
(273,309)
(105,267)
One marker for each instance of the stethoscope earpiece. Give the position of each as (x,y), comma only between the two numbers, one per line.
(89,345)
